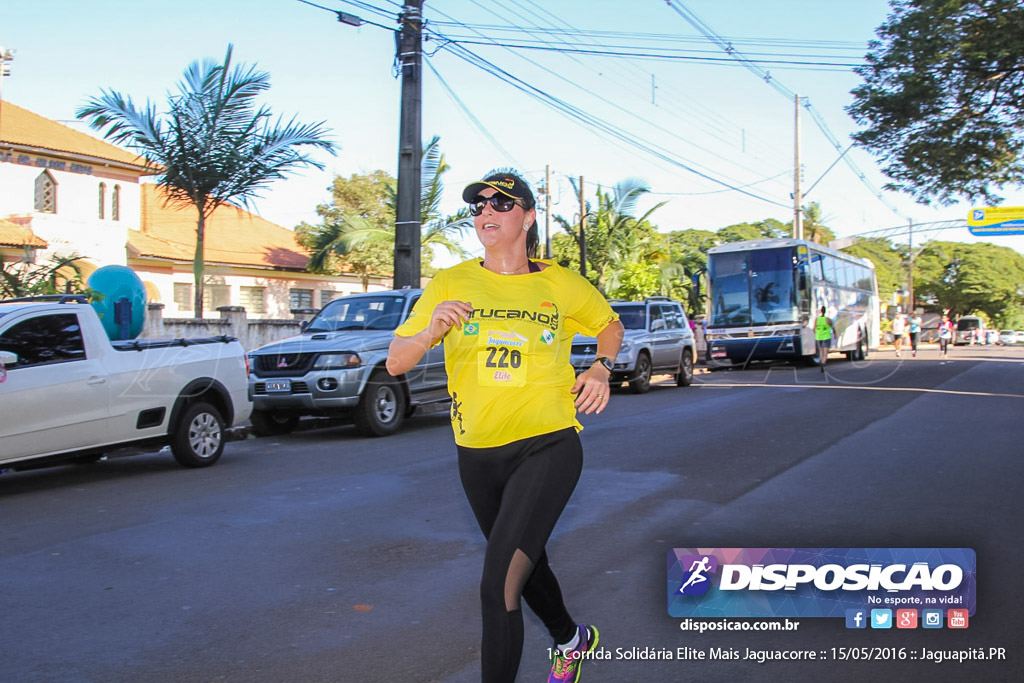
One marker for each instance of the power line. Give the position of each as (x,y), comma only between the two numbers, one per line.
(710,34)
(628,112)
(591,121)
(469,114)
(627,51)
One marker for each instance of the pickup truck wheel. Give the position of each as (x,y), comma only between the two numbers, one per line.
(641,382)
(267,423)
(381,408)
(198,438)
(685,376)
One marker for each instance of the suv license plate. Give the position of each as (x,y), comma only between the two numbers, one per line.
(279,386)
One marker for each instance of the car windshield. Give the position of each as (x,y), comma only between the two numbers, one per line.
(632,316)
(358,313)
(968,324)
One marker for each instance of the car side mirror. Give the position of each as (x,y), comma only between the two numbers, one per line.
(8,358)
(303,325)
(657,325)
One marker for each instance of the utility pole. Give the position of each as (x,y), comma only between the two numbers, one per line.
(547,210)
(910,274)
(410,147)
(583,232)
(798,228)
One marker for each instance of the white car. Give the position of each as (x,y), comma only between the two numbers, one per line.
(1008,337)
(68,392)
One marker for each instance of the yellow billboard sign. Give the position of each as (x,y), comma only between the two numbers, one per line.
(996,220)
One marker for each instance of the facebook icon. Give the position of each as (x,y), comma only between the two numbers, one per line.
(856,618)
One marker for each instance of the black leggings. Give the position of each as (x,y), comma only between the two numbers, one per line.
(517,493)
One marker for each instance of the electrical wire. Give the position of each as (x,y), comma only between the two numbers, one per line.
(708,121)
(337,14)
(469,115)
(821,66)
(710,34)
(593,122)
(615,105)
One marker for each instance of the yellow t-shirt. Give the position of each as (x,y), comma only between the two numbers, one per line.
(508,368)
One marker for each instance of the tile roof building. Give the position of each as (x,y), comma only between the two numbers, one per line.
(63,191)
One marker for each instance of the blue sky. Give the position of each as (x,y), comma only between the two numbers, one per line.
(718,118)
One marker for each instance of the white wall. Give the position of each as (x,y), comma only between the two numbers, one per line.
(278,285)
(76,225)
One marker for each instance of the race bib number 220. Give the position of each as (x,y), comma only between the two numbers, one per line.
(501,359)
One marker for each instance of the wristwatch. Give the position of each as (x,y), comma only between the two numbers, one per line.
(606,362)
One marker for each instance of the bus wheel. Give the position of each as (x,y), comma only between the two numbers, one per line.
(860,353)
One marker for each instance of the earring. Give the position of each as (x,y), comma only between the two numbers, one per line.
(526,227)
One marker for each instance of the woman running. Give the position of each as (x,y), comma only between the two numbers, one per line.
(507,323)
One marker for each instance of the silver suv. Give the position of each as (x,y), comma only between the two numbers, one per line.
(336,367)
(658,340)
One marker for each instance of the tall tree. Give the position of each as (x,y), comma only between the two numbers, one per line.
(941,100)
(814,225)
(212,146)
(358,229)
(971,278)
(614,233)
(889,270)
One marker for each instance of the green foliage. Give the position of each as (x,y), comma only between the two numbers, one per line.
(813,225)
(941,100)
(357,234)
(637,281)
(61,275)
(213,145)
(977,278)
(767,228)
(889,270)
(614,235)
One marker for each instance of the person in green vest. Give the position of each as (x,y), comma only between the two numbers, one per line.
(824,330)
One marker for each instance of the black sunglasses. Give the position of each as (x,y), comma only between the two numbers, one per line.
(498,202)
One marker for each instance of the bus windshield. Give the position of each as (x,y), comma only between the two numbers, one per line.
(753,288)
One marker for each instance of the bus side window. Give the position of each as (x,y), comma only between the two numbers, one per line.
(817,267)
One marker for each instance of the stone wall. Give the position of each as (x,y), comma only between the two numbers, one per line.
(232,322)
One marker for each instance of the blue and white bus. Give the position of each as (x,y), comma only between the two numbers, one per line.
(764,296)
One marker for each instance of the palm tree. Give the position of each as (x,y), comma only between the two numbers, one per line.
(814,225)
(213,146)
(615,235)
(61,275)
(342,236)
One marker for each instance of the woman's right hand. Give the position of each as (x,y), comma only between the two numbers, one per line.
(446,315)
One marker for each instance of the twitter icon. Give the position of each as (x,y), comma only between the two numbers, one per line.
(881,618)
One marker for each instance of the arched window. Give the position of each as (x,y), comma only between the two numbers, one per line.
(103,199)
(115,204)
(46,193)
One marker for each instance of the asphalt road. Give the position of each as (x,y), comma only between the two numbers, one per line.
(324,556)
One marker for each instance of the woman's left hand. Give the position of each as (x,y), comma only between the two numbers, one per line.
(592,390)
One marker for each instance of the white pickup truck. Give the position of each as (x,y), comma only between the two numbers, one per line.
(68,393)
